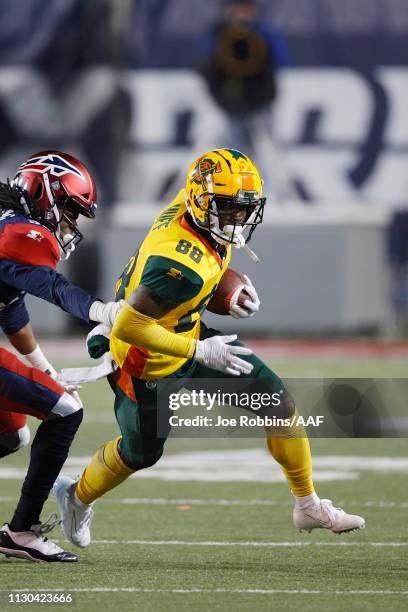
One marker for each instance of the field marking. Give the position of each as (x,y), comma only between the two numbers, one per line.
(220,590)
(246,544)
(255,465)
(157,501)
(162,501)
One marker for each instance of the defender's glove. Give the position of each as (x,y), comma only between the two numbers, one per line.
(105,313)
(251,306)
(216,353)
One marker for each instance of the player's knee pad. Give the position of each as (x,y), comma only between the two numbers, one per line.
(66,405)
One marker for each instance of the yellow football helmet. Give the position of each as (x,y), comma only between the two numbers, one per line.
(224,195)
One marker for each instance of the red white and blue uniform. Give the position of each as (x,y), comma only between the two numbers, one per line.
(29,254)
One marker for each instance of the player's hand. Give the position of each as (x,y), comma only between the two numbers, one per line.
(217,353)
(68,386)
(250,306)
(105,313)
(71,388)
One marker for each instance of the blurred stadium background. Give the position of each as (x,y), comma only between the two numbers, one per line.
(125,86)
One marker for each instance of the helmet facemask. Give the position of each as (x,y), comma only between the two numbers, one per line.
(233,220)
(219,208)
(68,235)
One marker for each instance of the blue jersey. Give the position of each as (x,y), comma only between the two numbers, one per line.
(29,253)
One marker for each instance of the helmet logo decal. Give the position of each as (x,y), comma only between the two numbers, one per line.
(52,163)
(237,154)
(205,166)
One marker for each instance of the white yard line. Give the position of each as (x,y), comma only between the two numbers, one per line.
(161,501)
(245,544)
(220,590)
(255,465)
(157,501)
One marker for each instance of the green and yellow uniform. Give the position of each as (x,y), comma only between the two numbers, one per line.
(180,266)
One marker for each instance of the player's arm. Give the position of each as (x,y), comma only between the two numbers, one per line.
(45,283)
(14,321)
(157,295)
(26,344)
(138,324)
(29,265)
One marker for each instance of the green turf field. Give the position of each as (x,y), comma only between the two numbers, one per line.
(179,545)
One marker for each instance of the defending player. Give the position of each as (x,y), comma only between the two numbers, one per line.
(38,226)
(158,333)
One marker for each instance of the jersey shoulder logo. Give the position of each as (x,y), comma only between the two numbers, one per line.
(52,163)
(174,273)
(35,235)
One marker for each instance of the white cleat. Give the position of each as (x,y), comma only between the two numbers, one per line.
(324,515)
(76,518)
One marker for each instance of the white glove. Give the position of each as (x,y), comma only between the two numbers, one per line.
(105,313)
(216,353)
(251,306)
(70,387)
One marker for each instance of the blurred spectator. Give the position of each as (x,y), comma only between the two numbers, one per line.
(241,57)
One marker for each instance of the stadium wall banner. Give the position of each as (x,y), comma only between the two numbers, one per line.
(340,134)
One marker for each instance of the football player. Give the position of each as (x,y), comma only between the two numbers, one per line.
(167,285)
(39,213)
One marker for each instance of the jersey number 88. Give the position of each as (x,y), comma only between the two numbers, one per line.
(184,247)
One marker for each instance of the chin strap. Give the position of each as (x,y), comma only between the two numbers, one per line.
(252,256)
(239,243)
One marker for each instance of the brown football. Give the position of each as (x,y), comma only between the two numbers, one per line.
(230,282)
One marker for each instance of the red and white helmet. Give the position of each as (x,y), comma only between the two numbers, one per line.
(51,184)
